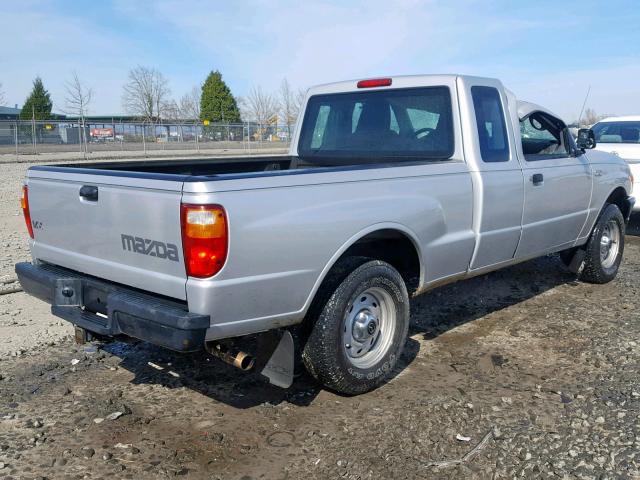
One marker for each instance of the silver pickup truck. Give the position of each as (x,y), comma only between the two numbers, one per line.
(392,186)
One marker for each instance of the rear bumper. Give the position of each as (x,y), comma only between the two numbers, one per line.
(110,309)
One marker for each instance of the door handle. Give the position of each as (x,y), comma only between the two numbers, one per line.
(598,173)
(537,179)
(89,193)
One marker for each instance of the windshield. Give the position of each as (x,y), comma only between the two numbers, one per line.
(617,132)
(382,124)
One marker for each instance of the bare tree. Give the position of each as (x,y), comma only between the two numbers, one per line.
(190,104)
(77,100)
(590,116)
(145,93)
(300,96)
(2,99)
(170,110)
(78,97)
(290,103)
(289,107)
(259,106)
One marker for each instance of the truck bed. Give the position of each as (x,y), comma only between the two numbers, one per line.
(207,169)
(187,167)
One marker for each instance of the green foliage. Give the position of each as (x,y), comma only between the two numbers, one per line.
(38,103)
(217,104)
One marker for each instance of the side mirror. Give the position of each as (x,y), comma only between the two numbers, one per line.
(586,139)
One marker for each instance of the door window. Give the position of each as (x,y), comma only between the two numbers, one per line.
(543,137)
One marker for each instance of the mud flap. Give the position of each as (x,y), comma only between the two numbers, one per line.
(275,357)
(577,262)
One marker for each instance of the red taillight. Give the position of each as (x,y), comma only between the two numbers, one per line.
(204,239)
(24,203)
(374,82)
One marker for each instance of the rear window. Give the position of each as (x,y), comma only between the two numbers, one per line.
(617,132)
(375,125)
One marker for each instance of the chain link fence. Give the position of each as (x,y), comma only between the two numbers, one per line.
(27,137)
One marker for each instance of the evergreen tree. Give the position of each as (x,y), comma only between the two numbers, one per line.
(38,103)
(217,104)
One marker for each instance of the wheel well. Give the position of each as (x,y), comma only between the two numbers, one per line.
(393,247)
(618,197)
(388,245)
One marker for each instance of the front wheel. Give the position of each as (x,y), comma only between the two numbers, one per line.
(361,331)
(603,251)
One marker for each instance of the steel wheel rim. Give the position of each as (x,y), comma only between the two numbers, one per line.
(610,244)
(369,326)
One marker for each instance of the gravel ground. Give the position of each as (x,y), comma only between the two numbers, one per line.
(25,324)
(522,373)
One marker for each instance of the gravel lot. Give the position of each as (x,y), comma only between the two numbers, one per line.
(106,152)
(522,373)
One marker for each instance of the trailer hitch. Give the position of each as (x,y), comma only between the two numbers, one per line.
(274,357)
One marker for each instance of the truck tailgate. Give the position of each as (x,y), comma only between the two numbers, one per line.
(128,233)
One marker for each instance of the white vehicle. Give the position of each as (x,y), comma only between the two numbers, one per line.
(621,136)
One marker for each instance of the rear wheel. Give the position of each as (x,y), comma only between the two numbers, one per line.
(361,330)
(603,251)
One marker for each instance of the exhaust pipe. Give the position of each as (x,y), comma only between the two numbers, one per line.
(239,359)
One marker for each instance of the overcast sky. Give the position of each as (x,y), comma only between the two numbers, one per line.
(547,52)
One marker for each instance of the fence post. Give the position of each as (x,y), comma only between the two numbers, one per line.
(166,130)
(80,136)
(197,140)
(16,135)
(33,135)
(144,143)
(249,137)
(84,138)
(113,132)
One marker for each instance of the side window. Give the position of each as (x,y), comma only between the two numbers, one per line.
(394,127)
(617,132)
(492,132)
(355,116)
(543,137)
(320,127)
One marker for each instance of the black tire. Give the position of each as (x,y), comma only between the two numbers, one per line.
(594,269)
(325,352)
